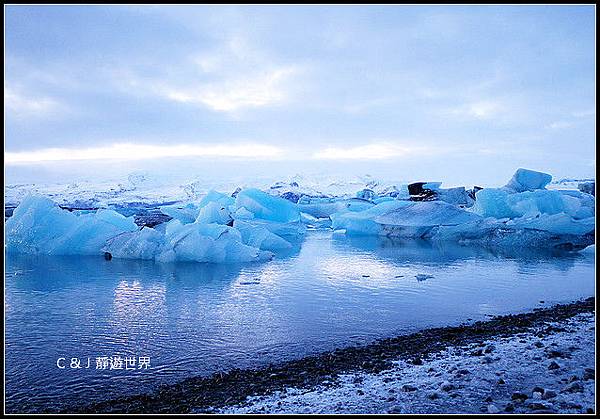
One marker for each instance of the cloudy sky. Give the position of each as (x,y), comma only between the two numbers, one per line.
(455,92)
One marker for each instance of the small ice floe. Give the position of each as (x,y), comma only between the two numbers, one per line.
(423,277)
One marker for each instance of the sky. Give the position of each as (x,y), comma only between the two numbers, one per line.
(449,93)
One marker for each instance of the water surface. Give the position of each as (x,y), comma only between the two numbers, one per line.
(195,319)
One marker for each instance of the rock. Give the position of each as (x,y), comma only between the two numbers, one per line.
(433,395)
(417,361)
(487,359)
(518,396)
(556,354)
(539,344)
(589,410)
(463,372)
(574,387)
(573,378)
(395,410)
(492,409)
(489,399)
(537,395)
(360,392)
(501,381)
(553,366)
(447,386)
(549,394)
(478,352)
(408,387)
(488,349)
(538,390)
(509,407)
(589,374)
(538,406)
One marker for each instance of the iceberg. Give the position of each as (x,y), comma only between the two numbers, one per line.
(260,237)
(267,207)
(195,242)
(528,180)
(39,226)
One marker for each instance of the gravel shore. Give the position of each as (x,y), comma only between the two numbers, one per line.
(536,362)
(525,373)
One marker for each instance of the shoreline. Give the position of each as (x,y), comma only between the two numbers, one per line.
(325,371)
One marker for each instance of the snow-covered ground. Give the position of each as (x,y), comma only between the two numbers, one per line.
(525,373)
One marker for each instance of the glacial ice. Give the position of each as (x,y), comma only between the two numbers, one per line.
(528,180)
(522,213)
(254,225)
(267,207)
(40,226)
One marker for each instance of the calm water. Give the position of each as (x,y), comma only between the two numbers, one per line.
(194,319)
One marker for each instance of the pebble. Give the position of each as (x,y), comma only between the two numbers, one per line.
(553,366)
(492,409)
(574,387)
(433,395)
(395,409)
(519,396)
(447,386)
(538,390)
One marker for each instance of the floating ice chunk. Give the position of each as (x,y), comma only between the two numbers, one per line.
(213,243)
(267,207)
(325,207)
(417,219)
(491,202)
(498,203)
(528,180)
(218,197)
(456,196)
(555,223)
(146,243)
(38,225)
(260,237)
(367,194)
(214,212)
(186,214)
(317,223)
(362,222)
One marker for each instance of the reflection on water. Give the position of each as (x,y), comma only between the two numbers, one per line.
(195,318)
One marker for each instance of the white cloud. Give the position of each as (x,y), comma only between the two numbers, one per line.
(485,109)
(584,113)
(373,151)
(235,94)
(21,105)
(560,125)
(132,151)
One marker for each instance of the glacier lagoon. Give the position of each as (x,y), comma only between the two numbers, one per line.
(221,281)
(326,291)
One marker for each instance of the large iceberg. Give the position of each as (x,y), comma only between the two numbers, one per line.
(40,226)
